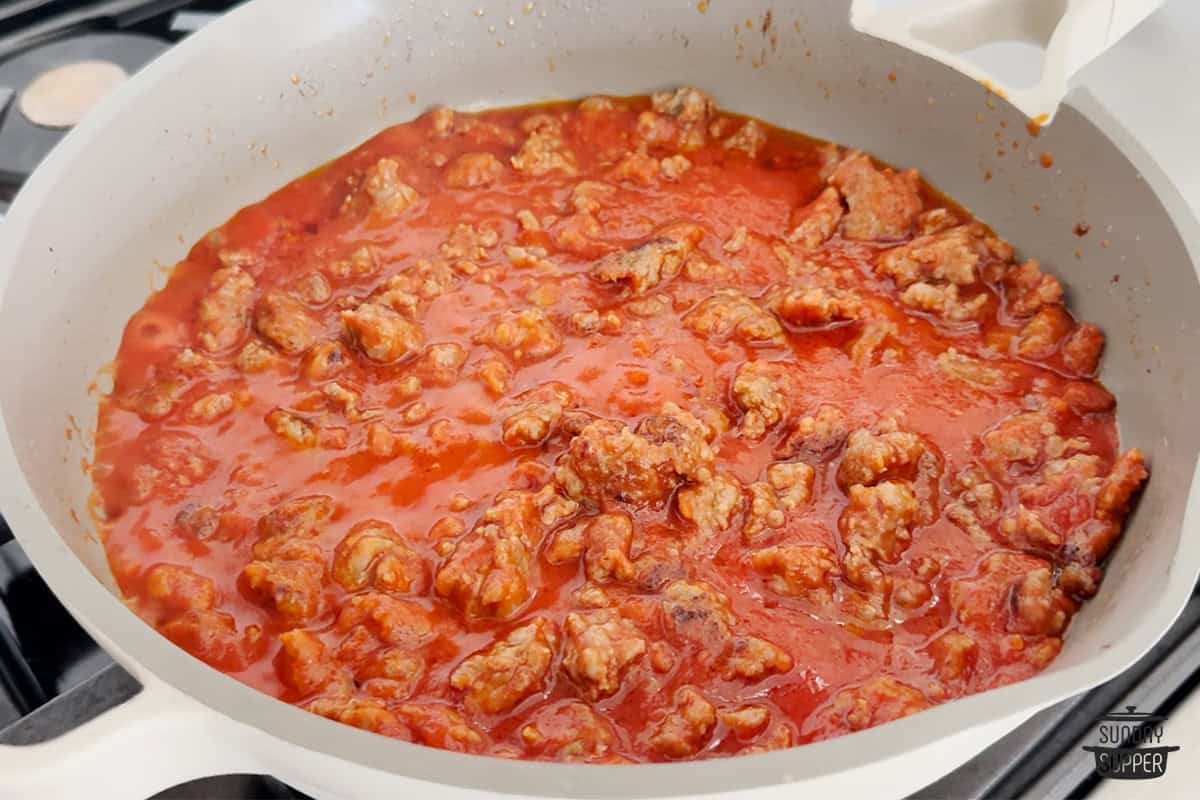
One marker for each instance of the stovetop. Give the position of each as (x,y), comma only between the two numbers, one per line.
(53,677)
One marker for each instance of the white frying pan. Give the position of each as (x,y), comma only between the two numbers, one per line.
(280,86)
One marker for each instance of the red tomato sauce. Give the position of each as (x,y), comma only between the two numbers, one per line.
(628,430)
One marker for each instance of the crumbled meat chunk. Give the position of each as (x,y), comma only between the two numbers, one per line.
(793,482)
(292,587)
(1082,348)
(210,407)
(638,166)
(1020,438)
(869,456)
(813,224)
(646,265)
(175,589)
(817,306)
(752,658)
(689,112)
(943,300)
(762,389)
(472,170)
(212,636)
(439,725)
(568,731)
(441,364)
(360,712)
(955,654)
(1027,290)
(544,151)
(673,167)
(798,570)
(640,466)
(225,310)
(324,360)
(879,519)
(495,376)
(382,191)
(868,348)
(953,256)
(496,679)
(600,648)
(489,573)
(969,370)
(815,437)
(300,516)
(729,313)
(373,554)
(687,727)
(763,511)
(314,289)
(469,242)
(527,335)
(747,139)
(298,431)
(935,220)
(606,542)
(305,665)
(360,263)
(1126,477)
(686,104)
(879,700)
(1042,335)
(588,197)
(256,357)
(283,321)
(883,204)
(737,240)
(169,463)
(1038,606)
(536,415)
(388,619)
(710,505)
(381,334)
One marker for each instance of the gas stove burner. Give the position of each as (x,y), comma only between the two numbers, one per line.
(56,84)
(59,97)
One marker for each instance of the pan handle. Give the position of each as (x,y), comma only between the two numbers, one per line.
(157,739)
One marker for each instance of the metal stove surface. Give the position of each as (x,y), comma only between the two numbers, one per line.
(53,677)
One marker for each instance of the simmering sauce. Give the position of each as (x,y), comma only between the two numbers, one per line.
(619,430)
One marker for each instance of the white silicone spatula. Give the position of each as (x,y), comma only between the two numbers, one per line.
(999,42)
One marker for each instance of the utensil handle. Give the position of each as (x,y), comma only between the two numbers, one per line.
(1071,33)
(157,739)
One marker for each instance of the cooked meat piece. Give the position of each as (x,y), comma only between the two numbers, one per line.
(879,519)
(1027,290)
(225,310)
(648,264)
(525,336)
(381,334)
(730,314)
(954,256)
(747,139)
(641,466)
(373,554)
(710,505)
(496,679)
(798,570)
(535,415)
(687,727)
(471,170)
(762,389)
(883,204)
(600,649)
(877,701)
(869,456)
(813,224)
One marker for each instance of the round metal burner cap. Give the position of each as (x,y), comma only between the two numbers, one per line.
(59,97)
